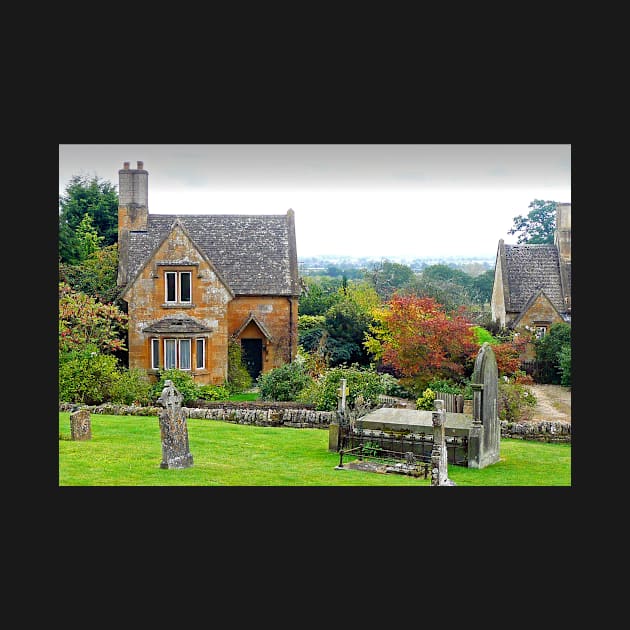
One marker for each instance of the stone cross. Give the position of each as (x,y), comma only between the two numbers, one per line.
(80,425)
(439,454)
(173,429)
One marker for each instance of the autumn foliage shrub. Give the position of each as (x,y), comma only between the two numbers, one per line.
(416,337)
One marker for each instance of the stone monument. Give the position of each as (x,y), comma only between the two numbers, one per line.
(336,426)
(439,455)
(173,429)
(80,425)
(485,435)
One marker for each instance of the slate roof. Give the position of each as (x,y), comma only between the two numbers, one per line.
(530,268)
(254,254)
(177,324)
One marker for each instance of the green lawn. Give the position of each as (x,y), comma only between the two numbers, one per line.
(126,451)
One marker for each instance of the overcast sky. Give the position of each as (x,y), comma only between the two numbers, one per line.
(381,200)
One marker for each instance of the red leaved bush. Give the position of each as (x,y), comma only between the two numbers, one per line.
(422,341)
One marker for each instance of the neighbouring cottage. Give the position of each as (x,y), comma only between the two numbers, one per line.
(532,283)
(192,282)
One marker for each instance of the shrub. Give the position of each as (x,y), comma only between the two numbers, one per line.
(132,386)
(393,387)
(564,365)
(238,378)
(183,382)
(284,383)
(548,352)
(364,382)
(426,400)
(212,392)
(515,401)
(87,376)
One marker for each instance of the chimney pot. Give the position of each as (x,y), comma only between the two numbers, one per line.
(140,165)
(126,165)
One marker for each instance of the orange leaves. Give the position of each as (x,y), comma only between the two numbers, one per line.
(419,339)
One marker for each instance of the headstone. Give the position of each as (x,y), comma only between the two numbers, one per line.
(439,455)
(485,436)
(80,425)
(173,429)
(337,427)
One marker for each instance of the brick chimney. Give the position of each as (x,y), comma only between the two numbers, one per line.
(133,211)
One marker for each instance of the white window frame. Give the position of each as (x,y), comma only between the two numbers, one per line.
(155,356)
(166,367)
(180,354)
(189,274)
(203,353)
(166,275)
(541,331)
(178,287)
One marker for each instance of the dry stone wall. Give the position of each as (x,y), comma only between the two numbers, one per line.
(544,431)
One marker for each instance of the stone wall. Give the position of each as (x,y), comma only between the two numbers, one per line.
(277,415)
(297,418)
(543,431)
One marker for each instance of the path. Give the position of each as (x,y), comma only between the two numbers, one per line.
(553,403)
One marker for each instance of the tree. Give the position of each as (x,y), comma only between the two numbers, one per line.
(96,276)
(549,350)
(319,295)
(537,228)
(346,323)
(86,195)
(86,323)
(388,277)
(420,340)
(88,238)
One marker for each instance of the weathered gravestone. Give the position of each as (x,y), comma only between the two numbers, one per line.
(80,425)
(173,429)
(341,420)
(485,434)
(439,456)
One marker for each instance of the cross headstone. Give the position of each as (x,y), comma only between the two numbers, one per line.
(340,424)
(439,454)
(173,429)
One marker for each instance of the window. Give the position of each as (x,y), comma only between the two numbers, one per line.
(170,354)
(201,353)
(178,286)
(177,353)
(184,354)
(540,331)
(155,353)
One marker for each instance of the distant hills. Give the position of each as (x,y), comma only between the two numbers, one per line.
(313,265)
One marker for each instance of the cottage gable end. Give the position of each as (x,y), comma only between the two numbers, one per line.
(176,249)
(539,309)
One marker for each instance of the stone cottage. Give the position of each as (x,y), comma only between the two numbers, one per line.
(192,282)
(532,283)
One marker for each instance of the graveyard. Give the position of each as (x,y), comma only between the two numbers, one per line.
(127,451)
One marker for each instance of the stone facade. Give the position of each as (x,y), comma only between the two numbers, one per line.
(532,283)
(193,282)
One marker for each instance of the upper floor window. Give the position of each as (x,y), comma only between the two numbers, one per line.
(540,331)
(177,286)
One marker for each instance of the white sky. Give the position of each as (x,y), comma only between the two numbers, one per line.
(379,200)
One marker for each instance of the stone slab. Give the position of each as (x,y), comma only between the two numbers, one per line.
(414,421)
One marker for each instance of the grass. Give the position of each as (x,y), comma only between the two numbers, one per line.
(126,451)
(244,397)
